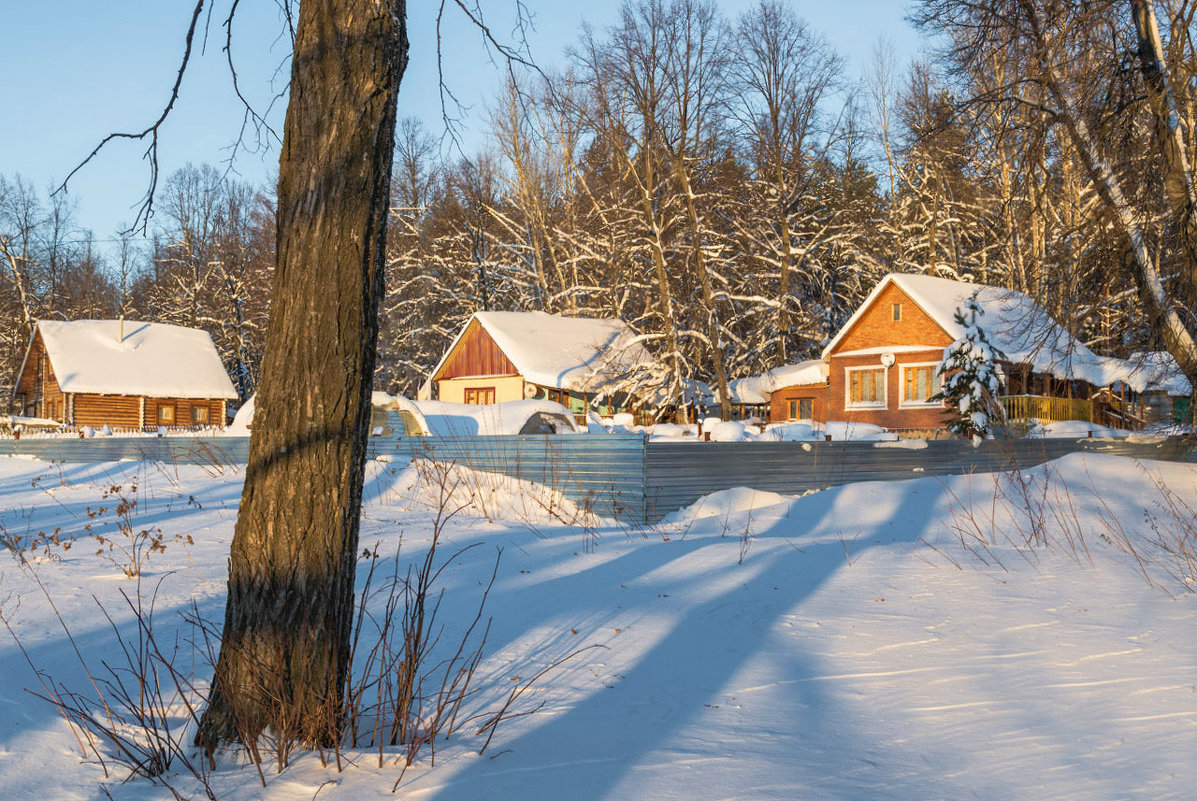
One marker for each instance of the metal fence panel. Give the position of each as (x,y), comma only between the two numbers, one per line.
(605,474)
(679,473)
(173,450)
(629,477)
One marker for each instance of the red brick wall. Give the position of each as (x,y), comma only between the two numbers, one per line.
(779,401)
(876,328)
(894,415)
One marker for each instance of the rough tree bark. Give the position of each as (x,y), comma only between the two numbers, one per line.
(284,650)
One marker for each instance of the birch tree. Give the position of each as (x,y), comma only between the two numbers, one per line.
(1059,44)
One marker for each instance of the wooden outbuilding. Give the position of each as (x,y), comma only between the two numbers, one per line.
(122,374)
(582,363)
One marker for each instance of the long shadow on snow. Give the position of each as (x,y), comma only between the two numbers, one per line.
(616,737)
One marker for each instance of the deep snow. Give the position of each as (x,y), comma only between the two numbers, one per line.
(879,640)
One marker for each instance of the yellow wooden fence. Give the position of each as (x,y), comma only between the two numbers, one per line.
(1041,407)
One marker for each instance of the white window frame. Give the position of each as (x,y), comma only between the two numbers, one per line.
(882,404)
(909,404)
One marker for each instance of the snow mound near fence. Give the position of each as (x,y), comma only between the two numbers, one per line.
(726,504)
(1070,429)
(431,485)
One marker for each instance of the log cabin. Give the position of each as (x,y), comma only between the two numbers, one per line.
(580,362)
(127,375)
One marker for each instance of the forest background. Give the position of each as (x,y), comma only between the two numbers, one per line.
(716,180)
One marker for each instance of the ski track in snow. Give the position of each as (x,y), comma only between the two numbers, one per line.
(859,652)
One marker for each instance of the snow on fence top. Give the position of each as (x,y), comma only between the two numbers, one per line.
(582,354)
(151,359)
(1015,324)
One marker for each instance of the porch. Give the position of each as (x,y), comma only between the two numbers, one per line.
(1104,408)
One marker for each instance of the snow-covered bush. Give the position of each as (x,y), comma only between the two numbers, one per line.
(729,431)
(790,432)
(971,376)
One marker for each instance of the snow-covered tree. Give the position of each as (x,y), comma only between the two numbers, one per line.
(971,376)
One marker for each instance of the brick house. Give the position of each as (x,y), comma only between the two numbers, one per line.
(882,362)
(880,367)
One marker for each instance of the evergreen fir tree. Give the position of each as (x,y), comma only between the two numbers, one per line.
(971,376)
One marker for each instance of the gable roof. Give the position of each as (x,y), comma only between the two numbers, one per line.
(153,359)
(1014,322)
(582,354)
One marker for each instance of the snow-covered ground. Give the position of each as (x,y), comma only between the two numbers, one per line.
(880,640)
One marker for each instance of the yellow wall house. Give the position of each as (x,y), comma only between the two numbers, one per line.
(506,356)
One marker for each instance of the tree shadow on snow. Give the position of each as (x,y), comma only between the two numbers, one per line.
(652,710)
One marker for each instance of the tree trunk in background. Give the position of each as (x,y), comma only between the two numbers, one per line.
(284,650)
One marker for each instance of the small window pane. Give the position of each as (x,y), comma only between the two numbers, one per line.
(166,415)
(199,415)
(866,386)
(920,383)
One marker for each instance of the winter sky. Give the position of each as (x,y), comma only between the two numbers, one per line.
(77,70)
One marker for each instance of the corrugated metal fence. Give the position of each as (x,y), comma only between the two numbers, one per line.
(602,473)
(629,477)
(605,474)
(677,474)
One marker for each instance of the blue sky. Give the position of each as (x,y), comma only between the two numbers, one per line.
(76,70)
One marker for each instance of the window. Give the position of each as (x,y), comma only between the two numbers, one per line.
(480,396)
(166,414)
(806,409)
(896,311)
(793,415)
(866,387)
(199,415)
(919,383)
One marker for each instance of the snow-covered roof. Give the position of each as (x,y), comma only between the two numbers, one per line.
(751,390)
(1150,371)
(152,359)
(581,354)
(812,371)
(1014,323)
(756,389)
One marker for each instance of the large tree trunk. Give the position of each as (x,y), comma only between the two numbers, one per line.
(284,650)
